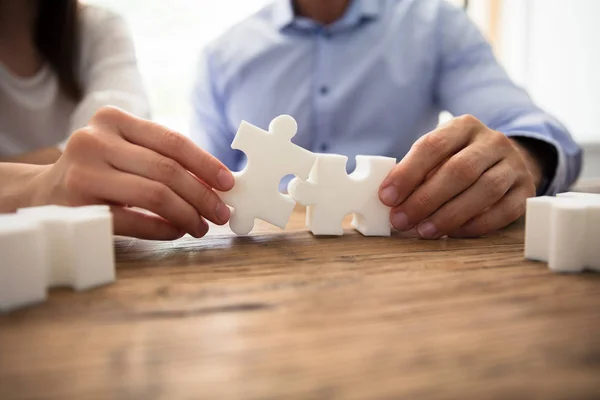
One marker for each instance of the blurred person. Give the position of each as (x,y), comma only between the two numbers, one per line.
(60,63)
(371,77)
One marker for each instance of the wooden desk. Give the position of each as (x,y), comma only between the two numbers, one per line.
(288,315)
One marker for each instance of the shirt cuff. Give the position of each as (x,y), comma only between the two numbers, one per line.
(555,178)
(91,103)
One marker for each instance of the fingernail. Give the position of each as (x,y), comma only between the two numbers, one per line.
(225,179)
(427,230)
(389,195)
(222,213)
(400,221)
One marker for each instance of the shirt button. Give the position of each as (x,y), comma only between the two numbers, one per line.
(323,147)
(327,35)
(324,90)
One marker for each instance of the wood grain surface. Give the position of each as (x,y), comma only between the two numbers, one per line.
(286,315)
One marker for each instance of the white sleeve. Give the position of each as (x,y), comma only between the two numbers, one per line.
(107,69)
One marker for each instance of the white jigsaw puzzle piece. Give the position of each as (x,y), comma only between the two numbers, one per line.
(271,156)
(330,194)
(563,231)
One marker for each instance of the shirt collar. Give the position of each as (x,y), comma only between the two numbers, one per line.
(369,9)
(359,10)
(282,13)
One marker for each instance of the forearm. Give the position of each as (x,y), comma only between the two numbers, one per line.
(550,144)
(18,184)
(39,157)
(473,82)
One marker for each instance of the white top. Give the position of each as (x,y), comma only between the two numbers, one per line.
(34,113)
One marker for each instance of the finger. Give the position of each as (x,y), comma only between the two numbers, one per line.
(124,188)
(170,144)
(140,161)
(127,222)
(426,154)
(507,210)
(485,192)
(434,170)
(456,175)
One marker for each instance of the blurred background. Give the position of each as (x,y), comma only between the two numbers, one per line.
(550,47)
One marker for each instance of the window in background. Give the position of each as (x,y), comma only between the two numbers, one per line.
(485,14)
(169,36)
(552,48)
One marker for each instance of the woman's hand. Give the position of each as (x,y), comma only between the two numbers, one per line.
(125,161)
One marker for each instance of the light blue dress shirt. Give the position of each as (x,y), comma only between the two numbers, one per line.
(370,83)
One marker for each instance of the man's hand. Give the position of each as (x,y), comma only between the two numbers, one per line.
(462,180)
(125,161)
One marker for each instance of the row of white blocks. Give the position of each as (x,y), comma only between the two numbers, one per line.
(54,246)
(564,231)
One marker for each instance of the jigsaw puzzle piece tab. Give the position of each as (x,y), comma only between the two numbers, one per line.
(374,217)
(327,174)
(271,156)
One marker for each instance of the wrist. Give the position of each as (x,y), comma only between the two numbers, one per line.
(21,186)
(39,192)
(44,156)
(532,163)
(540,158)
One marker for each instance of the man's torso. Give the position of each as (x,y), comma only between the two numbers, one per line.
(364,85)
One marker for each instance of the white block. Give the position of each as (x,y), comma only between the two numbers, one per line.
(52,219)
(580,195)
(537,227)
(79,244)
(564,231)
(567,250)
(593,236)
(22,262)
(330,194)
(91,252)
(271,156)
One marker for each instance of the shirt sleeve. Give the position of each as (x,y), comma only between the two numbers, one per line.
(471,81)
(209,128)
(108,68)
